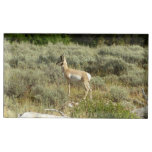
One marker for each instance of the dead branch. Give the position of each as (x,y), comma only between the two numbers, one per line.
(61,113)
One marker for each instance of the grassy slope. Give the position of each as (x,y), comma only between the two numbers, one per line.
(32,81)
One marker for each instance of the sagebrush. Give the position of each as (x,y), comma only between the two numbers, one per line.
(33,81)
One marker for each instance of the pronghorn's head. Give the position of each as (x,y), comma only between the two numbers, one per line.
(61,60)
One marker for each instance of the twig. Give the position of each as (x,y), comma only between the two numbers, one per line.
(144,95)
(56,111)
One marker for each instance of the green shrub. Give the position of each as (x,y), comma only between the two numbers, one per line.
(98,82)
(100,109)
(19,81)
(73,61)
(13,62)
(6,66)
(46,95)
(130,54)
(54,74)
(39,39)
(118,93)
(14,84)
(111,79)
(115,66)
(135,77)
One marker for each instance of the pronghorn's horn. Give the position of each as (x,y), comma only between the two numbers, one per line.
(62,57)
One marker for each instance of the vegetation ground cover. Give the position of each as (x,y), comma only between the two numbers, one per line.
(33,81)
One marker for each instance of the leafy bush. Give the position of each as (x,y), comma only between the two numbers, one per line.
(73,61)
(53,95)
(98,82)
(13,62)
(54,74)
(39,39)
(115,66)
(14,85)
(118,93)
(18,82)
(133,54)
(111,79)
(100,109)
(134,77)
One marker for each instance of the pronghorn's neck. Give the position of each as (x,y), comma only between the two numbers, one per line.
(65,65)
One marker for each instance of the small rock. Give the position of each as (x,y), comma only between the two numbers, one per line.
(141,112)
(70,105)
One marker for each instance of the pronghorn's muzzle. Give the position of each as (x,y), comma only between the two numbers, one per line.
(59,63)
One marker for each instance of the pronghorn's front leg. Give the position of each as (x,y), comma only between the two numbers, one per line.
(69,89)
(90,93)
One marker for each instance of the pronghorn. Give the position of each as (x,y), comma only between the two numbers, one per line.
(75,75)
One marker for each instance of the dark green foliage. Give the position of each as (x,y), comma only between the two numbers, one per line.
(39,39)
(91,40)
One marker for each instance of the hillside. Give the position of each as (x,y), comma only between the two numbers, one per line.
(33,81)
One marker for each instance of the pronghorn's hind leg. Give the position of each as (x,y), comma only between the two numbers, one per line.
(87,88)
(90,92)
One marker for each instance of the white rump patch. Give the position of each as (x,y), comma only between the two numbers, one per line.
(75,77)
(89,76)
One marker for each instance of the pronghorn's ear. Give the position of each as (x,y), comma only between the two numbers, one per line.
(62,57)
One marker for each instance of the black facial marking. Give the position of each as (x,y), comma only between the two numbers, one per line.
(62,57)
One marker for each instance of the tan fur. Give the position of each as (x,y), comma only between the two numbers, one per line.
(68,71)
